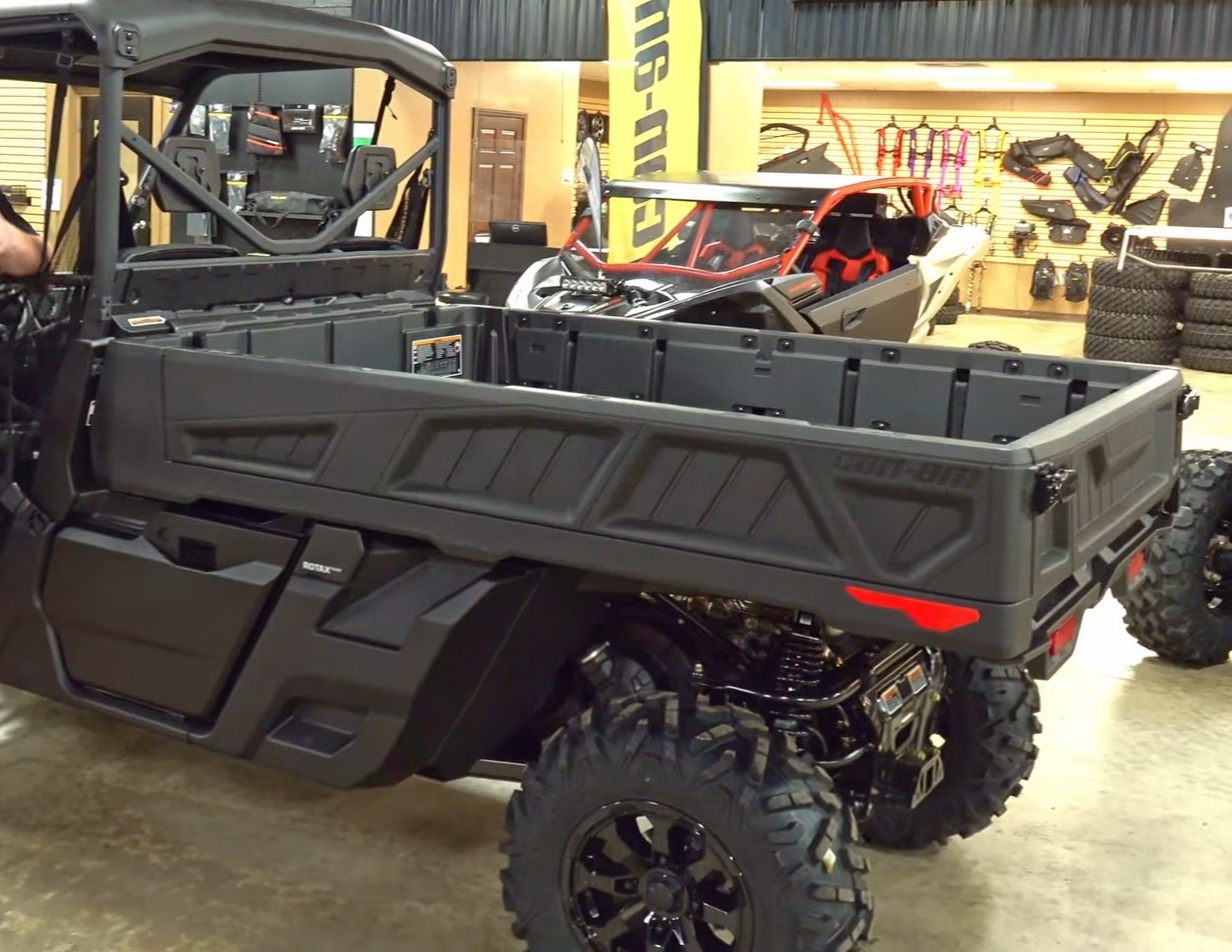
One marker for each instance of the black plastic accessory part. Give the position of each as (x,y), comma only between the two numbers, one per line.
(265,131)
(1069,232)
(1189,169)
(1043,280)
(1146,211)
(1052,210)
(1077,282)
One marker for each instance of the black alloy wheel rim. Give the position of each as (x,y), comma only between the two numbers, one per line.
(644,877)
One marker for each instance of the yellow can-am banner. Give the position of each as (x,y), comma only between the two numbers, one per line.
(655,52)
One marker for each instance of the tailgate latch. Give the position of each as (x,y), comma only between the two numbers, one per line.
(1187,403)
(1053,484)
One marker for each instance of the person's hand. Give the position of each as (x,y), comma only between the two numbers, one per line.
(22,255)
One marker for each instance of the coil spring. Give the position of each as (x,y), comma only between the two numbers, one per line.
(798,662)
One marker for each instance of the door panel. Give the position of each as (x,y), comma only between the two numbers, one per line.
(160,617)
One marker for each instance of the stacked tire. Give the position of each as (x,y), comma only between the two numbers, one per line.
(950,310)
(1135,313)
(1206,339)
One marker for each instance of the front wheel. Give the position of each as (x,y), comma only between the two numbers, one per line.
(650,824)
(988,719)
(1181,605)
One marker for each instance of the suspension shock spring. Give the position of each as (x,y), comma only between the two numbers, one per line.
(798,663)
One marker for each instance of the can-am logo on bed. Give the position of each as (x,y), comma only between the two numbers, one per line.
(655,78)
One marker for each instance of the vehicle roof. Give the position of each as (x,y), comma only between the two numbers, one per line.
(748,188)
(185,43)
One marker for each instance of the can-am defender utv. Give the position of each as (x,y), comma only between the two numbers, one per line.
(727,591)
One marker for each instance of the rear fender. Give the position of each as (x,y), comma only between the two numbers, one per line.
(429,673)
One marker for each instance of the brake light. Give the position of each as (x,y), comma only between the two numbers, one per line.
(1060,638)
(1136,565)
(929,615)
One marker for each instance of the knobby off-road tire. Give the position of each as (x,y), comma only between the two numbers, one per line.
(989,721)
(1169,609)
(1208,311)
(701,778)
(1213,336)
(995,345)
(1137,276)
(1131,351)
(1207,358)
(1137,301)
(1131,326)
(1211,285)
(950,311)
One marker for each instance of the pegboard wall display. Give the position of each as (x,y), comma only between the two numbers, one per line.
(276,134)
(1087,130)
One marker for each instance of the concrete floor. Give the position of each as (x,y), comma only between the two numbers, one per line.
(113,840)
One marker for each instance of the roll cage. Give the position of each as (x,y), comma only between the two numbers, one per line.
(817,195)
(175,49)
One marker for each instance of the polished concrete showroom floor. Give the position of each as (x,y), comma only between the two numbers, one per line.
(113,840)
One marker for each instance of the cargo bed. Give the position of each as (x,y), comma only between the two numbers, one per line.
(971,500)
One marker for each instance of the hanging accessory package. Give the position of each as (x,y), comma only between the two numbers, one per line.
(335,130)
(1189,169)
(1043,280)
(301,120)
(199,120)
(237,188)
(220,126)
(265,131)
(1077,282)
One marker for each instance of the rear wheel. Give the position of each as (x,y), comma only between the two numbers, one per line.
(653,825)
(995,345)
(988,718)
(1181,605)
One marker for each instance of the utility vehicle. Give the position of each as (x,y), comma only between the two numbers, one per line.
(723,592)
(876,259)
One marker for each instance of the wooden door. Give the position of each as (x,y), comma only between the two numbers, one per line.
(498,168)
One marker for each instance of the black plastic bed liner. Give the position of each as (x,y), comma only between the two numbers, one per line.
(966,499)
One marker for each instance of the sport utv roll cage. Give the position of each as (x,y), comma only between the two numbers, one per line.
(824,193)
(175,49)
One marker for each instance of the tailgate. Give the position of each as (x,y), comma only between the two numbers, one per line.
(1112,469)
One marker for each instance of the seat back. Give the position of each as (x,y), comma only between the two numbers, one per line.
(852,259)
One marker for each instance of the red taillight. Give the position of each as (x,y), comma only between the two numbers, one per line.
(1060,638)
(1136,565)
(929,615)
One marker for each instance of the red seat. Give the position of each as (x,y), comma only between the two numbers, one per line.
(738,245)
(851,260)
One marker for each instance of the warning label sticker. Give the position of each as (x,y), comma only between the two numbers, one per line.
(438,357)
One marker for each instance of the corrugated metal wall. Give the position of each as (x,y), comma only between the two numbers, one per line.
(971,29)
(848,30)
(498,29)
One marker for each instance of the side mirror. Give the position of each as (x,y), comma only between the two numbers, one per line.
(367,167)
(198,159)
(588,158)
